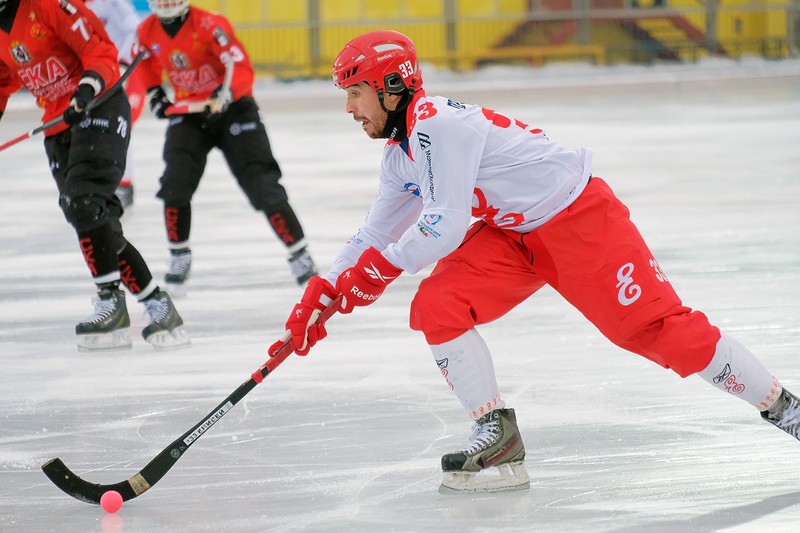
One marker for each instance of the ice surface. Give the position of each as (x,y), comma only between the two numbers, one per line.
(349,438)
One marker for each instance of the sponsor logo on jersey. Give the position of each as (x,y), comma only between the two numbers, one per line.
(413,188)
(629,292)
(20,53)
(424,140)
(457,105)
(47,80)
(432,218)
(425,225)
(425,143)
(194,80)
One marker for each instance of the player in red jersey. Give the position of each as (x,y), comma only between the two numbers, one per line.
(61,53)
(192,47)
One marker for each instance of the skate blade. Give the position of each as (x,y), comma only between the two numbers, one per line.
(169,340)
(116,340)
(176,290)
(507,477)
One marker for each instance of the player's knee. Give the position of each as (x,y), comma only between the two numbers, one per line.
(683,342)
(438,314)
(85,212)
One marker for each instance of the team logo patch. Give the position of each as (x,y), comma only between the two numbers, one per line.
(37,31)
(20,53)
(179,59)
(221,37)
(413,188)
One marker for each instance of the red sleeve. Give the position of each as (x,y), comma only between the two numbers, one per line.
(81,30)
(149,71)
(226,47)
(9,84)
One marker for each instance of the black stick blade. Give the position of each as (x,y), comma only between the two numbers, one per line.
(80,489)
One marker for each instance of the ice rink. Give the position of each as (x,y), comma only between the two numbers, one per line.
(349,439)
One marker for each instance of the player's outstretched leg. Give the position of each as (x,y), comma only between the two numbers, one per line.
(495,442)
(107,328)
(166,326)
(785,414)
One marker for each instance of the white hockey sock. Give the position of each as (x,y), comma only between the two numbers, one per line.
(734,369)
(467,366)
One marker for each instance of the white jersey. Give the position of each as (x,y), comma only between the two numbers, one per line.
(462,161)
(121,20)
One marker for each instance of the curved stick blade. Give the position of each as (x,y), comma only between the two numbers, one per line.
(80,489)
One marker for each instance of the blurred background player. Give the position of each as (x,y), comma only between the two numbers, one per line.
(60,52)
(120,20)
(543,220)
(193,47)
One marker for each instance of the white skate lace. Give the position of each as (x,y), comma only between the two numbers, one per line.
(102,310)
(789,418)
(156,308)
(483,434)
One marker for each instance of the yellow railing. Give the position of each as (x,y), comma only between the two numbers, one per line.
(300,38)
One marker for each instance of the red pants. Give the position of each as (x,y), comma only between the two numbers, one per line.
(593,255)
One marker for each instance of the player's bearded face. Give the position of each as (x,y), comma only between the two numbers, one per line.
(363,104)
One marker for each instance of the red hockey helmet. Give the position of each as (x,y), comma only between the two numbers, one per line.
(385,59)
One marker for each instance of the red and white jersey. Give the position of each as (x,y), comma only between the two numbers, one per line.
(120,20)
(194,60)
(51,44)
(461,161)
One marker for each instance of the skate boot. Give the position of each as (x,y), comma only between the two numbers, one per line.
(785,414)
(495,442)
(107,328)
(166,327)
(303,268)
(178,272)
(125,195)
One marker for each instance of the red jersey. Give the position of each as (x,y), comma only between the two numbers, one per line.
(194,60)
(51,44)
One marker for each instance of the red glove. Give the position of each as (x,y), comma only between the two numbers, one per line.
(305,332)
(364,282)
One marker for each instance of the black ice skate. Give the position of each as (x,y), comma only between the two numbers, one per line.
(125,195)
(166,327)
(178,272)
(303,268)
(495,442)
(785,414)
(107,328)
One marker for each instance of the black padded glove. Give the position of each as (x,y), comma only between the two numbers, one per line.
(76,110)
(159,102)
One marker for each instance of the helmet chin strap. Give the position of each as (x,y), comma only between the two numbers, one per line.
(395,128)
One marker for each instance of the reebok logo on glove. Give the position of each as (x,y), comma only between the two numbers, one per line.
(375,274)
(364,282)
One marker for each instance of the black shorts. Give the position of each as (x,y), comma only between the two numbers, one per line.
(89,158)
(242,137)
